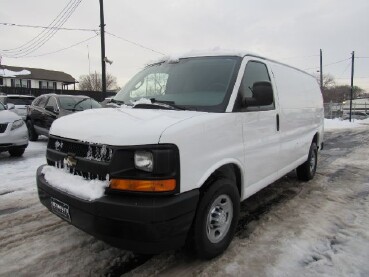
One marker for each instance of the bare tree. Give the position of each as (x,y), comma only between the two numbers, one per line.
(328,81)
(92,82)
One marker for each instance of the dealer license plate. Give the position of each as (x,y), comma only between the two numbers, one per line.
(61,209)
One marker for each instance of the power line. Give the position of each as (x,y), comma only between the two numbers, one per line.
(47,27)
(65,48)
(135,43)
(344,71)
(298,57)
(50,33)
(340,61)
(46,34)
(337,62)
(40,34)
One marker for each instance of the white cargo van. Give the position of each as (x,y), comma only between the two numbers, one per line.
(192,137)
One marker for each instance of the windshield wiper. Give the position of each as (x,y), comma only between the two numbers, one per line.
(116,102)
(170,104)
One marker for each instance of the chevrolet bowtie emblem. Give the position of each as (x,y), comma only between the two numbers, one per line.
(70,161)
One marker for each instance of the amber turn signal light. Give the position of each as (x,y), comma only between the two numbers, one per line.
(143,185)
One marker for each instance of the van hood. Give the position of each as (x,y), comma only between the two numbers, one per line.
(118,126)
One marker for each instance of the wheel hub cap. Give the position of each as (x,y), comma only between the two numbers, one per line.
(219,218)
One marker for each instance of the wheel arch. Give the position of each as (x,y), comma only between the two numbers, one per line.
(228,168)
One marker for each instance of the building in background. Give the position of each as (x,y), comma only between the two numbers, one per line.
(35,78)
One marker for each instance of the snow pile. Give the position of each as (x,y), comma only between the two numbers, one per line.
(73,184)
(10,73)
(337,123)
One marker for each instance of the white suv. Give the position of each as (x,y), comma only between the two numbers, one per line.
(13,133)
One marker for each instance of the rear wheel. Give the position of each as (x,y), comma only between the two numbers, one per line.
(216,219)
(33,136)
(16,152)
(306,171)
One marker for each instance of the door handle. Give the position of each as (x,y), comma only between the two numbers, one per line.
(277,117)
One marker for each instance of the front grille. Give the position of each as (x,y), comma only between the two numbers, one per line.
(3,127)
(86,175)
(100,153)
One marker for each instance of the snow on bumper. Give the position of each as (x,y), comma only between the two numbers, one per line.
(74,184)
(144,224)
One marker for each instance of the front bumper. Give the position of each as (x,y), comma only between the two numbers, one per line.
(13,139)
(143,224)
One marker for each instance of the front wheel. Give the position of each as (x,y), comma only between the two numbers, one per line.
(216,219)
(33,136)
(306,171)
(16,152)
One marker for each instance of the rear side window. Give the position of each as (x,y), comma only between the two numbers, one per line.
(254,72)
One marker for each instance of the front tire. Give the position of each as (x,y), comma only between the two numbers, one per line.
(33,136)
(216,219)
(16,152)
(306,171)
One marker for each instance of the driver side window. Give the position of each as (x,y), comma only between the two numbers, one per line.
(152,85)
(254,72)
(51,104)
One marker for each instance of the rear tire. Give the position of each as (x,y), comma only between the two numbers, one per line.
(33,136)
(16,152)
(216,219)
(306,171)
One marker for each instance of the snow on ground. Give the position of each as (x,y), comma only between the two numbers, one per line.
(319,228)
(338,123)
(34,242)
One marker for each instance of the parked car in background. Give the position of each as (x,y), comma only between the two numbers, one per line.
(20,102)
(13,133)
(48,107)
(355,115)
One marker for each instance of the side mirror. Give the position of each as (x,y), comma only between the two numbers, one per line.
(262,95)
(10,106)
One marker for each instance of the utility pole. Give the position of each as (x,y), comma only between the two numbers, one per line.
(102,34)
(352,80)
(321,70)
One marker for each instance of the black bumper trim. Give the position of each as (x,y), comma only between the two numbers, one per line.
(141,224)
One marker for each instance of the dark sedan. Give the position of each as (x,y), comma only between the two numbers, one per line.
(48,107)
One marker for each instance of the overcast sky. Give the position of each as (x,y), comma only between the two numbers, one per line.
(290,31)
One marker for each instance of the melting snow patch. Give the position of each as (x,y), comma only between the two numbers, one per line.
(74,184)
(331,124)
(10,73)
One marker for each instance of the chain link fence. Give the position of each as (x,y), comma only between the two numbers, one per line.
(340,110)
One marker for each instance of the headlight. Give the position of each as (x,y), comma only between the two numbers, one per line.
(17,124)
(144,161)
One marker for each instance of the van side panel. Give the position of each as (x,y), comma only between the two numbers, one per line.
(205,143)
(301,113)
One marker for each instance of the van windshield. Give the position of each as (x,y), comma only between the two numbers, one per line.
(203,84)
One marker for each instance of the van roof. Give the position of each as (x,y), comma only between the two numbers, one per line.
(203,53)
(218,52)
